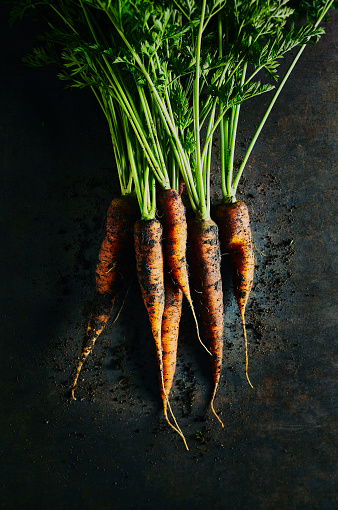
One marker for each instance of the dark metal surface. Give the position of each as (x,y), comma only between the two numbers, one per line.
(111,449)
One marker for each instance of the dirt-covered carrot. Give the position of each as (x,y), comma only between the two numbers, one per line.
(174,223)
(280,38)
(205,267)
(113,270)
(236,240)
(149,265)
(181,185)
(169,332)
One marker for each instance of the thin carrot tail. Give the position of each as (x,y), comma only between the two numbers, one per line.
(176,428)
(245,348)
(102,308)
(94,329)
(196,322)
(84,355)
(212,405)
(123,302)
(167,404)
(89,344)
(92,335)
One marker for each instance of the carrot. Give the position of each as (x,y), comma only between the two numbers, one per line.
(175,242)
(149,265)
(205,267)
(115,263)
(236,240)
(181,185)
(169,332)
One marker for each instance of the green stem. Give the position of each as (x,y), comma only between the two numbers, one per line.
(134,171)
(325,9)
(153,134)
(223,125)
(169,124)
(224,140)
(127,104)
(117,146)
(233,134)
(199,172)
(63,18)
(153,197)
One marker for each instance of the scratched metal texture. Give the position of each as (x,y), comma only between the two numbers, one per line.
(111,449)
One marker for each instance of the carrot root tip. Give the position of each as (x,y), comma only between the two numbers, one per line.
(122,305)
(85,353)
(215,414)
(212,407)
(178,430)
(246,349)
(248,379)
(197,328)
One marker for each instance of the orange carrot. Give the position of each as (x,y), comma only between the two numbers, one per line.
(236,240)
(205,267)
(175,242)
(181,185)
(149,265)
(115,263)
(169,332)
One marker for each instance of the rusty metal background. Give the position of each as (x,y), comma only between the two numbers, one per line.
(111,449)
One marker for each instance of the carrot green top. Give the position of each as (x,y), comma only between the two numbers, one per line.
(168,73)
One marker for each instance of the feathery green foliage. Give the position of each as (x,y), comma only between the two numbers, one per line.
(164,70)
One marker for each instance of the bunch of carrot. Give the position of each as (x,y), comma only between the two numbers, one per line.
(149,63)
